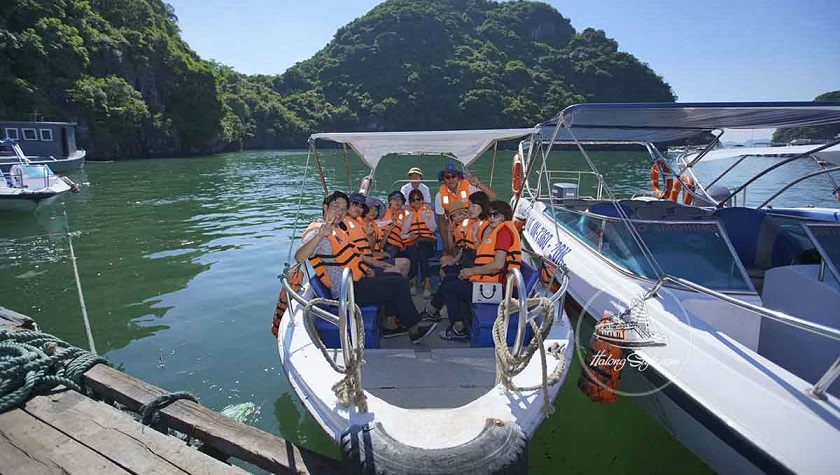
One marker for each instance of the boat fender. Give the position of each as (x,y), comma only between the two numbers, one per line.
(516,175)
(500,448)
(295,279)
(601,373)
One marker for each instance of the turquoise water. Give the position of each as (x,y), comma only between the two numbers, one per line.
(179,258)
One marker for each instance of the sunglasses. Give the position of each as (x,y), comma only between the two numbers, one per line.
(416,199)
(494,214)
(449,177)
(357,204)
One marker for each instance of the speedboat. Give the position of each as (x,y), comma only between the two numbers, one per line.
(437,406)
(742,300)
(27,186)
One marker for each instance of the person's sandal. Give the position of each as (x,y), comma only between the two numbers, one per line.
(423,330)
(427,316)
(398,330)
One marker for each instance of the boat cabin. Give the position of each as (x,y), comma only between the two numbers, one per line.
(42,139)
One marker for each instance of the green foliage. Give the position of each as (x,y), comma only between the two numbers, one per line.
(120,68)
(819,132)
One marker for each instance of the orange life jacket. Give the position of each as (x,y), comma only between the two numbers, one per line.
(357,234)
(461,193)
(395,238)
(486,253)
(295,278)
(464,233)
(418,225)
(343,254)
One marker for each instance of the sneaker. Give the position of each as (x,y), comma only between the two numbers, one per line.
(454,335)
(427,316)
(398,330)
(423,330)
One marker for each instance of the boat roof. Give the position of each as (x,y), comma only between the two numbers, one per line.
(666,121)
(463,145)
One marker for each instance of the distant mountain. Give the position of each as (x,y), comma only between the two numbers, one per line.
(120,68)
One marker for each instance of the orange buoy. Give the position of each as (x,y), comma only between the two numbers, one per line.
(295,279)
(516,175)
(601,373)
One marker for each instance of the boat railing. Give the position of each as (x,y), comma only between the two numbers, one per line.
(575,176)
(557,300)
(346,313)
(818,391)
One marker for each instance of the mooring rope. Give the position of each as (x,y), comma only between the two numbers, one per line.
(349,389)
(33,363)
(509,365)
(79,285)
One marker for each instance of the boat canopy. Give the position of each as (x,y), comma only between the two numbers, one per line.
(666,121)
(464,145)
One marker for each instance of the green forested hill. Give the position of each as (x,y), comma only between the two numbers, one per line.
(819,132)
(120,68)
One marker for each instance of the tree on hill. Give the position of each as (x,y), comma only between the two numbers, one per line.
(819,132)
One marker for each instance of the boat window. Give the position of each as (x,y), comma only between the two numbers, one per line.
(827,238)
(12,133)
(695,251)
(29,134)
(46,135)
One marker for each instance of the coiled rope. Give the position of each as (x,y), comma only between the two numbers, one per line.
(33,363)
(349,389)
(509,365)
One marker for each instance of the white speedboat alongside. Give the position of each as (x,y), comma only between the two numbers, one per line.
(27,186)
(743,301)
(437,406)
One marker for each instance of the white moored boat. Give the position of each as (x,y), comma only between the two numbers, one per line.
(437,406)
(743,300)
(27,186)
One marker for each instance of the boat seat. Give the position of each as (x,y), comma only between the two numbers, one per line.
(759,241)
(329,332)
(484,315)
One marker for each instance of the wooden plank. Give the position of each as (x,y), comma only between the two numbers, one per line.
(11,320)
(118,437)
(28,446)
(225,435)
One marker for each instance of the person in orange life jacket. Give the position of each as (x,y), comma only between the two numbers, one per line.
(362,234)
(376,210)
(458,220)
(418,232)
(329,250)
(465,235)
(415,175)
(499,247)
(392,232)
(456,186)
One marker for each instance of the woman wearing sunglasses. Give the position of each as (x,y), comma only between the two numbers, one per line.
(499,249)
(418,231)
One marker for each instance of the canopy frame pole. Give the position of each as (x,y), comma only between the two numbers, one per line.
(821,171)
(773,167)
(320,170)
(347,167)
(493,163)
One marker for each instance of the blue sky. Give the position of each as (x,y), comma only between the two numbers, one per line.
(736,50)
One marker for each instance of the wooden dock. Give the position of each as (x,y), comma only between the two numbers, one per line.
(67,432)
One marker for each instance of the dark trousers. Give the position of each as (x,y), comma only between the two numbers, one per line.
(391,291)
(453,292)
(419,253)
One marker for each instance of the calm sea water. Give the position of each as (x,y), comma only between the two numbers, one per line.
(179,258)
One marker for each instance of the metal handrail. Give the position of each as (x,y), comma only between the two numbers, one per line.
(798,180)
(516,275)
(317,311)
(818,391)
(347,314)
(816,328)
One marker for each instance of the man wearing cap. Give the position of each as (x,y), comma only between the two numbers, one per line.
(456,186)
(415,175)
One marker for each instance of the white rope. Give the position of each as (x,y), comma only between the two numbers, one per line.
(509,365)
(79,286)
(349,389)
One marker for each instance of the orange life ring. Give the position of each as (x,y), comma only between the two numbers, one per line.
(688,184)
(669,193)
(516,175)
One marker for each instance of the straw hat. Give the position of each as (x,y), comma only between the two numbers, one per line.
(456,205)
(416,170)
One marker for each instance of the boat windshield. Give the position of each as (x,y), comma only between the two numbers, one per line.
(692,250)
(827,238)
